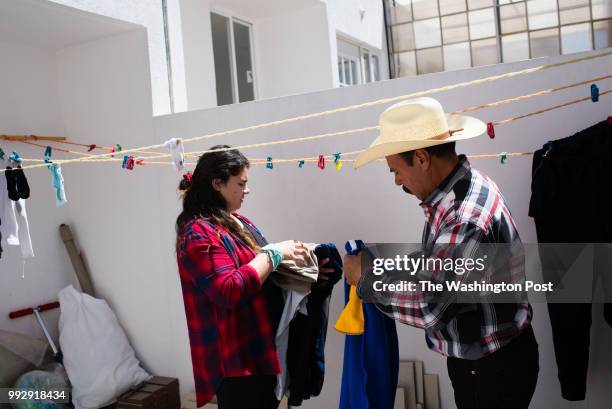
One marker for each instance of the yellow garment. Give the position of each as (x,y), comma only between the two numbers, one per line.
(350,321)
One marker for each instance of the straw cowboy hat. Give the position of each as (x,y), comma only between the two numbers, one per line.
(418,123)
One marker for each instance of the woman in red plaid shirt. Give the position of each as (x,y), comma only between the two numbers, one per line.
(223,273)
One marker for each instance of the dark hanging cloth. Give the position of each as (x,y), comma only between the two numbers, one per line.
(570,203)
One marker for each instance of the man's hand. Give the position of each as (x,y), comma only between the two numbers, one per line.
(352,268)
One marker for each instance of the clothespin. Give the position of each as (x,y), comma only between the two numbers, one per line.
(301,164)
(130,163)
(338,161)
(91,147)
(125,159)
(549,148)
(139,161)
(269,163)
(594,93)
(118,147)
(1,154)
(321,163)
(504,158)
(15,157)
(48,152)
(491,130)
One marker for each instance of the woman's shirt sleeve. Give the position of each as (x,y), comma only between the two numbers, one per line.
(212,269)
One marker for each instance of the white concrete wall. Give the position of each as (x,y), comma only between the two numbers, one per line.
(310,204)
(292,53)
(147,13)
(29,105)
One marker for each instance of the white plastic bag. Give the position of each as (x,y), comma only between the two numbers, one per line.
(99,360)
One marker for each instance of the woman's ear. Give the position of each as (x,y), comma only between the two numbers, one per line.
(217,184)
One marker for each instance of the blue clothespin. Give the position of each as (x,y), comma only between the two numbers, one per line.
(301,164)
(337,157)
(504,158)
(48,152)
(353,247)
(125,159)
(269,163)
(594,93)
(1,154)
(15,157)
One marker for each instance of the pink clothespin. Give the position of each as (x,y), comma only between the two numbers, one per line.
(321,163)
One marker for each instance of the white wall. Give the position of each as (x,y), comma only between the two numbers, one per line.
(29,105)
(292,53)
(147,13)
(314,205)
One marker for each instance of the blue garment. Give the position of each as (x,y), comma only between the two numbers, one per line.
(371,362)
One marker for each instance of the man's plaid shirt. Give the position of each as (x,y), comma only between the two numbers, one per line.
(463,215)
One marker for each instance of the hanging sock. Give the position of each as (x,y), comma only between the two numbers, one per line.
(11,184)
(175,146)
(23,188)
(57,181)
(350,321)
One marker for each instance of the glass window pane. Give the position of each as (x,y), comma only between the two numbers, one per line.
(340,71)
(601,9)
(574,11)
(603,34)
(375,71)
(542,14)
(400,11)
(403,37)
(427,33)
(484,52)
(429,60)
(576,38)
(455,28)
(457,56)
(424,9)
(221,53)
(451,6)
(354,73)
(482,23)
(244,67)
(544,43)
(476,4)
(367,67)
(515,47)
(406,64)
(513,18)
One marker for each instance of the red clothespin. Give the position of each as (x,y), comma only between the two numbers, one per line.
(130,163)
(91,147)
(490,130)
(321,163)
(139,162)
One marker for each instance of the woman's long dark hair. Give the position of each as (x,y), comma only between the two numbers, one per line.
(201,200)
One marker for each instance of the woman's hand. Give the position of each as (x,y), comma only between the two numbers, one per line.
(293,250)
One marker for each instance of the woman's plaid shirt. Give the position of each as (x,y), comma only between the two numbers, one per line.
(463,215)
(230,330)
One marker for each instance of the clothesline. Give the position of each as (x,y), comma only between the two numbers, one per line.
(257,161)
(338,110)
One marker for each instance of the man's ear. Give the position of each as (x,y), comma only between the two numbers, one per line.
(421,156)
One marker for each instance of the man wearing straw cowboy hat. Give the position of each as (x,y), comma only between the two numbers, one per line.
(492,354)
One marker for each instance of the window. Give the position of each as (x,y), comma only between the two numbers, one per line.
(430,36)
(232,51)
(356,64)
